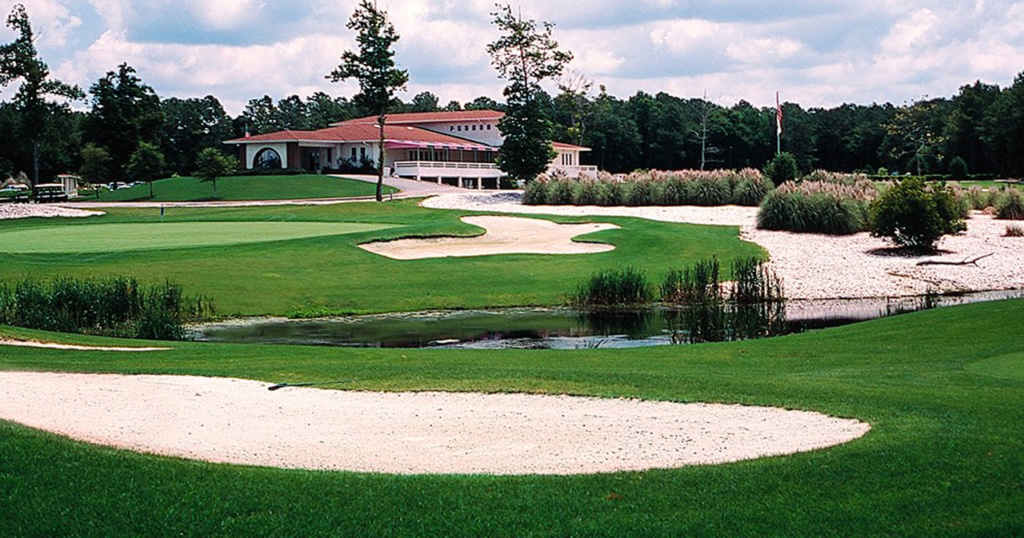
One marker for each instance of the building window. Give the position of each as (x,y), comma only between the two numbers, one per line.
(474,127)
(451,128)
(488,126)
(353,158)
(460,128)
(267,158)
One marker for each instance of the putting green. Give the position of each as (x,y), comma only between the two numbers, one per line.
(95,238)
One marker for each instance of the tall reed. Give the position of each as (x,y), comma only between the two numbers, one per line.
(614,287)
(114,306)
(755,306)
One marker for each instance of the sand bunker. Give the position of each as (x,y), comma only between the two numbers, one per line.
(239,421)
(72,347)
(505,235)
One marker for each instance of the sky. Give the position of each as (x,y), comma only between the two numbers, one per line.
(818,53)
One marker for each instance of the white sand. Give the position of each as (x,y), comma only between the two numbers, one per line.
(51,345)
(504,235)
(24,211)
(241,422)
(820,266)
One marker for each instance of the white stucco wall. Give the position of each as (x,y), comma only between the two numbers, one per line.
(251,150)
(481,133)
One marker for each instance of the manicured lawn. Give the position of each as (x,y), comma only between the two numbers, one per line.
(989,184)
(943,390)
(167,235)
(306,268)
(190,189)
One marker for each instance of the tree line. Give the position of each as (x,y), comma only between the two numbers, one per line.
(129,133)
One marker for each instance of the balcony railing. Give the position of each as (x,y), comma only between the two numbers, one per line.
(573,171)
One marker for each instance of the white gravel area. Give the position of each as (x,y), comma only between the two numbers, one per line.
(241,422)
(820,266)
(503,235)
(25,211)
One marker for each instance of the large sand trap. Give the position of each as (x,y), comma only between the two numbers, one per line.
(241,422)
(505,235)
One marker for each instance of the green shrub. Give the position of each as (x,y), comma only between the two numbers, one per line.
(814,207)
(610,193)
(958,169)
(1011,205)
(979,198)
(559,192)
(782,168)
(535,192)
(584,193)
(915,216)
(614,287)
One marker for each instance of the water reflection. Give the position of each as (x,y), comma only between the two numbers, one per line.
(529,328)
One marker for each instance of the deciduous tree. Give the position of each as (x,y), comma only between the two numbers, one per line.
(374,67)
(212,164)
(20,62)
(525,55)
(125,113)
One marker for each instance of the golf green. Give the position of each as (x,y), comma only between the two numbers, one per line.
(171,235)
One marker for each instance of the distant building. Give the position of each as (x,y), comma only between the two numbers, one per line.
(453,147)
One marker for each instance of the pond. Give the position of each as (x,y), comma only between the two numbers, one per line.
(545,328)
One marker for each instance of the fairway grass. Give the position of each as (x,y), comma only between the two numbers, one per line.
(245,188)
(320,269)
(940,389)
(170,235)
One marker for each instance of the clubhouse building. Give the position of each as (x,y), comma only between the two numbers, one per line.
(457,148)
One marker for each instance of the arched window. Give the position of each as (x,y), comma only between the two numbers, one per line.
(267,158)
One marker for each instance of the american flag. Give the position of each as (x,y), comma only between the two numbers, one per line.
(778,113)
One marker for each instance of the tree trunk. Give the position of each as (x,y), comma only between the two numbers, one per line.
(35,163)
(380,162)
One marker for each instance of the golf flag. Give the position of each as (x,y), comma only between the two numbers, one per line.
(778,114)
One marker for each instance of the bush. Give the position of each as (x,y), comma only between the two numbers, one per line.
(1010,205)
(814,207)
(782,168)
(958,169)
(914,216)
(1013,231)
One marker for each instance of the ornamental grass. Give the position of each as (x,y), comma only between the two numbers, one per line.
(832,208)
(646,188)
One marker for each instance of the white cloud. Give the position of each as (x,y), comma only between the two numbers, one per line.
(226,14)
(818,55)
(52,22)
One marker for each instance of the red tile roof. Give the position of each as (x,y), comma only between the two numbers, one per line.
(563,145)
(355,133)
